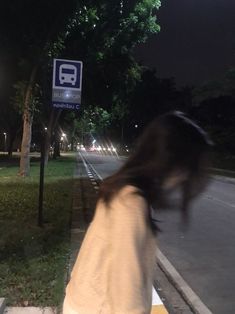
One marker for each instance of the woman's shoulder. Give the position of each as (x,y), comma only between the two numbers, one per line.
(130,196)
(129,189)
(129,209)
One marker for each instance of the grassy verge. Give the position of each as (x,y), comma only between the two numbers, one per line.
(32,259)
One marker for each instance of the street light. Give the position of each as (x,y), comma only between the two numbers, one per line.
(5,141)
(63,139)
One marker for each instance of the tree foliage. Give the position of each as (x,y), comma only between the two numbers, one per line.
(214,106)
(94,120)
(216,88)
(100,33)
(106,35)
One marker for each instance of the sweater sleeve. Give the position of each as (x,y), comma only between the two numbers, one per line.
(130,273)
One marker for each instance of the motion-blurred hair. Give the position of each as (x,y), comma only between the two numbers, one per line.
(171,143)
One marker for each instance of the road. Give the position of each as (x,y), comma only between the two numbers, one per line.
(204,253)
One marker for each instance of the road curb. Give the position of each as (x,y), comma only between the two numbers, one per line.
(222,175)
(224,179)
(223,171)
(78,228)
(29,310)
(2,305)
(190,297)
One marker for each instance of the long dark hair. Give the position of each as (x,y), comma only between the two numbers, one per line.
(171,143)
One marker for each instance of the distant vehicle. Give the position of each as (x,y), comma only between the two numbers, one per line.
(67,74)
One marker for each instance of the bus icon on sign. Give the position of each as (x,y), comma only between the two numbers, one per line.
(67,74)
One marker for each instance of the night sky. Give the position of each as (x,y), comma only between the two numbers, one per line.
(196,42)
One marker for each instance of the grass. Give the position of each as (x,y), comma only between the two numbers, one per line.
(32,259)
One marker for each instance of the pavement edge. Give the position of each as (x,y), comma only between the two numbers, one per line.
(190,297)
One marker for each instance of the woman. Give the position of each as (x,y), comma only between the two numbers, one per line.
(114,270)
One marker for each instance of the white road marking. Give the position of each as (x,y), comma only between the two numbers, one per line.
(212,198)
(155,298)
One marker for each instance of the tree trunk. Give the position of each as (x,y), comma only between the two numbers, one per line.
(122,132)
(48,136)
(27,129)
(56,152)
(25,144)
(54,117)
(72,143)
(47,144)
(72,148)
(10,146)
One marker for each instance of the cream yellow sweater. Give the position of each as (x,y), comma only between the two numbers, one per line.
(113,273)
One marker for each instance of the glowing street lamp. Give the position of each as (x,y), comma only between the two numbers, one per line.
(63,139)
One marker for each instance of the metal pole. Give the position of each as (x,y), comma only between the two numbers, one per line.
(41,183)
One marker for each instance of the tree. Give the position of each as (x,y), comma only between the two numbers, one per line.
(216,88)
(105,37)
(10,120)
(101,33)
(152,96)
(93,121)
(32,31)
(214,106)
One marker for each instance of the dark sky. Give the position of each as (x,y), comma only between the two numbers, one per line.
(196,42)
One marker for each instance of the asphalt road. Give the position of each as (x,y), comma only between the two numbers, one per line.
(204,253)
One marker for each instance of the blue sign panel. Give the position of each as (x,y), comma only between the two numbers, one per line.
(67,84)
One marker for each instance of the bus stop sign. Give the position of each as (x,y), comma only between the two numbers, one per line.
(67,84)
